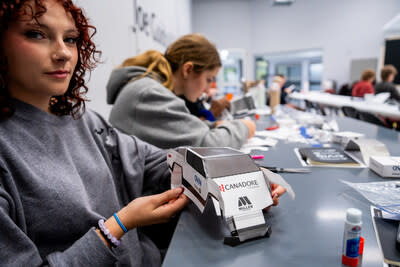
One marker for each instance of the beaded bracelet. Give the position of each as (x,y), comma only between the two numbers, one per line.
(107,235)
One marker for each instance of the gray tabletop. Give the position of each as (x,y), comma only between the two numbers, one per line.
(307,231)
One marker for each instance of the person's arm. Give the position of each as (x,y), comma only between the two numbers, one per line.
(370,89)
(18,249)
(163,120)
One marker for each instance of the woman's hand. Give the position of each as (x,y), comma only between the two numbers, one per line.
(153,209)
(145,211)
(276,192)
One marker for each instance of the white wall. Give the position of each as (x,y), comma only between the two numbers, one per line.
(343,29)
(115,21)
(392,28)
(226,23)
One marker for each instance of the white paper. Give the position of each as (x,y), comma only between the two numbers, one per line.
(248,150)
(253,195)
(256,141)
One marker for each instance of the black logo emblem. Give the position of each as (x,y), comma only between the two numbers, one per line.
(99,131)
(244,203)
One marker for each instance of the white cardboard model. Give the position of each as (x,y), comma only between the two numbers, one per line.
(232,179)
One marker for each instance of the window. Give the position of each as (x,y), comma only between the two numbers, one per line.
(303,69)
(261,69)
(229,78)
(196,162)
(315,76)
(292,73)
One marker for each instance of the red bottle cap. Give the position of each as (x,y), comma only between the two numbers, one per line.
(349,261)
(361,247)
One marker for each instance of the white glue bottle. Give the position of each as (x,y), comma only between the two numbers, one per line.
(351,237)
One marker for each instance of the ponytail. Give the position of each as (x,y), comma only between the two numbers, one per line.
(193,48)
(156,63)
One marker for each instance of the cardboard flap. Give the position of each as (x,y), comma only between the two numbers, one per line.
(277,179)
(368,148)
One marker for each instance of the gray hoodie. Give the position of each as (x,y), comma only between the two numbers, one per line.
(145,108)
(59,176)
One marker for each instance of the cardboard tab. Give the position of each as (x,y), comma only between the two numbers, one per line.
(363,149)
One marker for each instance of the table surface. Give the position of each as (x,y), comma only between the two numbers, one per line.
(338,101)
(307,231)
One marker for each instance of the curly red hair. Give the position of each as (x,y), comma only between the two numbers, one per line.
(73,100)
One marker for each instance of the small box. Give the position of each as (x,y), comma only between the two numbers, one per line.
(344,137)
(274,99)
(385,166)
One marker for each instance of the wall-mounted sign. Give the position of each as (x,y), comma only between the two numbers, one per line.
(148,23)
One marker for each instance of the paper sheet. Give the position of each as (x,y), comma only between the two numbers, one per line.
(277,179)
(257,141)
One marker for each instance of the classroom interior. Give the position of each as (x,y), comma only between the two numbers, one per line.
(321,48)
(320,82)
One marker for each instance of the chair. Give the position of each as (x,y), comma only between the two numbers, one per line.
(371,118)
(350,112)
(309,105)
(321,109)
(318,108)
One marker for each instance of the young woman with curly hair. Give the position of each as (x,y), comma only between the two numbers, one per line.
(71,186)
(74,191)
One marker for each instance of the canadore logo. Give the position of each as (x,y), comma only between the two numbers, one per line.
(239,185)
(244,203)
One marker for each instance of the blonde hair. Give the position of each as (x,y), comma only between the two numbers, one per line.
(193,48)
(155,62)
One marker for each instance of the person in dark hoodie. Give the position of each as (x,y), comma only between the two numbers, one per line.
(388,73)
(148,92)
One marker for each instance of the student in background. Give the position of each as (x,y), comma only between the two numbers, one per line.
(345,89)
(65,171)
(364,86)
(218,106)
(147,92)
(207,108)
(283,84)
(388,73)
(329,86)
(198,109)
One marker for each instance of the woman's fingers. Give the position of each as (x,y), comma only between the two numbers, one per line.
(275,200)
(167,210)
(168,195)
(277,190)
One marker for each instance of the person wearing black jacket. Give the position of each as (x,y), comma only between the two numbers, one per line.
(388,73)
